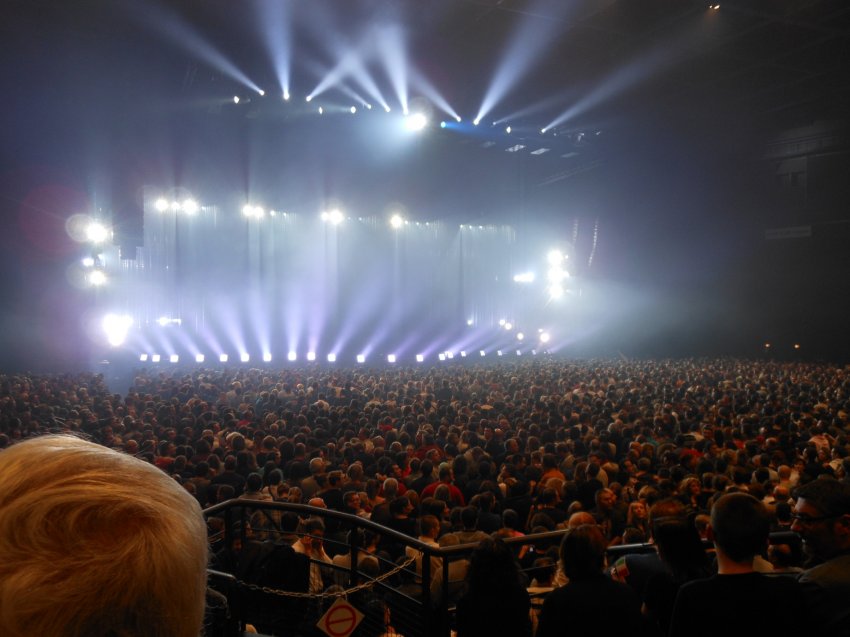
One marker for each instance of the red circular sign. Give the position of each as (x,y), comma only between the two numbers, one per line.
(340,621)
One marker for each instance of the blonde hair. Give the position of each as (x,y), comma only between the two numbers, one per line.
(96,542)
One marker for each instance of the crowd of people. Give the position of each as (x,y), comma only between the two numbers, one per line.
(678,453)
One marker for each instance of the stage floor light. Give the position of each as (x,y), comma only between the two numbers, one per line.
(161,205)
(174,358)
(420,358)
(267,358)
(331,358)
(245,357)
(311,356)
(156,358)
(391,358)
(361,358)
(222,358)
(199,358)
(143,357)
(545,337)
(441,357)
(292,357)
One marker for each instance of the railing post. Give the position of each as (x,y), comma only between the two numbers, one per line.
(354,546)
(428,615)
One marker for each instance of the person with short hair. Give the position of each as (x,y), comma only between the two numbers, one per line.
(822,518)
(96,542)
(740,525)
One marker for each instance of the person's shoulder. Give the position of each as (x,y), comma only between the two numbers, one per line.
(835,571)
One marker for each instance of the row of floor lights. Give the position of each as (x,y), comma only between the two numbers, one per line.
(311,356)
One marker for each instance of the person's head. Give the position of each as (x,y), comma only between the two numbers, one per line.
(312,532)
(822,517)
(429,526)
(583,552)
(740,524)
(492,566)
(605,500)
(96,542)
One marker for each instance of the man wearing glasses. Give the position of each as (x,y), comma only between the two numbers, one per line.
(822,518)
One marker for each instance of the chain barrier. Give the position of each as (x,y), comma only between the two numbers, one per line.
(281,593)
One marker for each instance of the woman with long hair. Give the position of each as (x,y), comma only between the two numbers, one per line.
(496,601)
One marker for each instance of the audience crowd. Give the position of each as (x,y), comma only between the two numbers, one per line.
(617,451)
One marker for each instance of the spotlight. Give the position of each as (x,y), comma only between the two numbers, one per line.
(156,358)
(556,291)
(334,216)
(97,232)
(525,277)
(286,96)
(450,355)
(416,122)
(442,124)
(97,278)
(483,353)
(458,119)
(332,358)
(508,130)
(292,356)
(391,358)
(544,337)
(199,358)
(311,356)
(501,322)
(175,206)
(161,205)
(309,98)
(542,131)
(143,357)
(498,352)
(470,322)
(245,357)
(462,354)
(476,122)
(396,221)
(518,353)
(796,345)
(262,93)
(267,357)
(420,358)
(369,107)
(190,206)
(555,257)
(235,99)
(520,336)
(361,358)
(222,358)
(247,210)
(321,111)
(509,326)
(353,110)
(387,109)
(441,357)
(88,262)
(174,358)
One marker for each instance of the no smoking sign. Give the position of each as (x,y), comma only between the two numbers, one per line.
(340,620)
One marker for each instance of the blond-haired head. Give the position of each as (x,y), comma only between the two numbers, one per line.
(96,542)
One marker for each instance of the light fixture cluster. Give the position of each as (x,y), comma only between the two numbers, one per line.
(188,206)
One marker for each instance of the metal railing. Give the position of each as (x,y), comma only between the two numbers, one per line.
(420,602)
